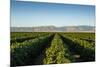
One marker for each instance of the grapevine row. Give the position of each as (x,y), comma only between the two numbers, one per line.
(57,53)
(85,49)
(25,52)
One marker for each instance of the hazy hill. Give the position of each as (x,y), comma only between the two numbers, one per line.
(54,29)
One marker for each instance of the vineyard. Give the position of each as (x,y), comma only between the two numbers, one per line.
(38,48)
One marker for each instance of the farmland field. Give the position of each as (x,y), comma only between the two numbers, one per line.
(36,48)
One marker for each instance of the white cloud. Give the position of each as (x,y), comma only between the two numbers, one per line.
(85,2)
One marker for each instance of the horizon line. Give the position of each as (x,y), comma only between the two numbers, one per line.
(53,26)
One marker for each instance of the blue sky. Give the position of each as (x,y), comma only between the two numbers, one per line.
(28,14)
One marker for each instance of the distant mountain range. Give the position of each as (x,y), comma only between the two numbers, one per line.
(54,29)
